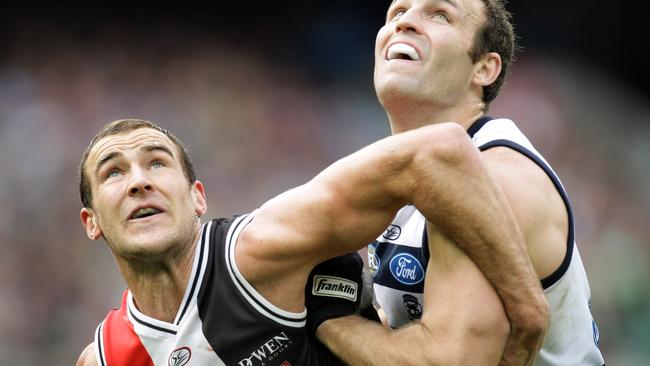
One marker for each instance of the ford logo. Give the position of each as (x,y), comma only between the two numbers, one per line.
(406,269)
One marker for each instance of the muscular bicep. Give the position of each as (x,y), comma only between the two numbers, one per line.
(354,199)
(340,210)
(351,202)
(343,208)
(461,309)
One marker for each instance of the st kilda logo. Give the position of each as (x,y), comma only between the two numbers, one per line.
(180,357)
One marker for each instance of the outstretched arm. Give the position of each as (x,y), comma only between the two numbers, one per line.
(430,341)
(436,168)
(476,215)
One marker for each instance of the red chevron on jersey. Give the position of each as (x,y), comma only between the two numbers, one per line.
(221,321)
(121,345)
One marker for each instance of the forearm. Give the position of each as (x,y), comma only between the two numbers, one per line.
(360,342)
(463,200)
(489,234)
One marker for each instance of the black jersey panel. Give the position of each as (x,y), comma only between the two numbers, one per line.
(235,329)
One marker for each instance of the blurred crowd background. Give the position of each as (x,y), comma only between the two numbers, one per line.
(267,95)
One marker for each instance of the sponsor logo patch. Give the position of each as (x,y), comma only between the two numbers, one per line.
(180,357)
(331,286)
(268,351)
(406,269)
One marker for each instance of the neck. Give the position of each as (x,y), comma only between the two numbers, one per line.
(404,117)
(158,286)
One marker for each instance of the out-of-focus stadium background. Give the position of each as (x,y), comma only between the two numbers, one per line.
(265,96)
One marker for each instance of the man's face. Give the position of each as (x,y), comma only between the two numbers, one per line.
(142,204)
(422,51)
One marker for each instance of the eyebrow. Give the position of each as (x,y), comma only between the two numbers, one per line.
(105,160)
(450,2)
(115,154)
(165,149)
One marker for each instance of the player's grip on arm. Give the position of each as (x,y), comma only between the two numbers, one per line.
(439,170)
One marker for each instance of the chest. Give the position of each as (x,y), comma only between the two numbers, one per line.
(398,261)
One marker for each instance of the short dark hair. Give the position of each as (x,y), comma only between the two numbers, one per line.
(496,35)
(121,126)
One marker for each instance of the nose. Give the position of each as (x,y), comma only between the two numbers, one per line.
(140,183)
(407,22)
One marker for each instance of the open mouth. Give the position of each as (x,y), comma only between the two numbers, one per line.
(144,212)
(402,51)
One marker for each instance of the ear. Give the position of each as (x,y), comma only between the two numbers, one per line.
(198,195)
(487,69)
(89,221)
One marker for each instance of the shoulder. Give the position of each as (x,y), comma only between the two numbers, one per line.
(516,172)
(87,357)
(536,203)
(515,163)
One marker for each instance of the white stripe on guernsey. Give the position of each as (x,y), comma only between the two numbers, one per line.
(189,335)
(158,344)
(204,263)
(200,267)
(268,310)
(99,345)
(194,274)
(140,329)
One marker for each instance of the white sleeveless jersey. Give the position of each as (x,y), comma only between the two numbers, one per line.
(399,257)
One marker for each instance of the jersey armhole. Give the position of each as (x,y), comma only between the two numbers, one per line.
(551,279)
(254,298)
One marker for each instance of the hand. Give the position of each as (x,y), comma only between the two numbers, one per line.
(528,326)
(333,289)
